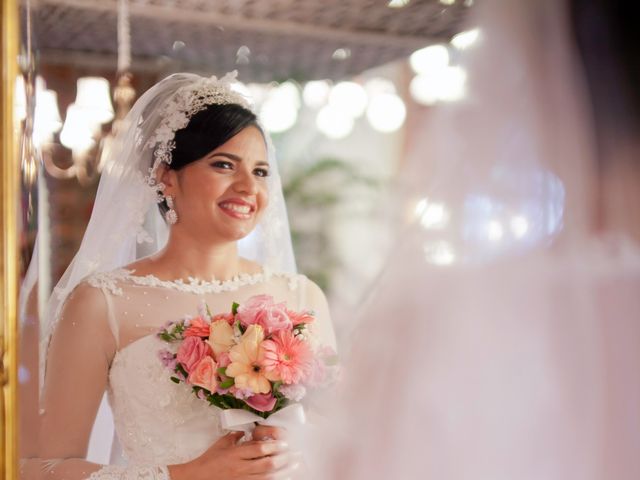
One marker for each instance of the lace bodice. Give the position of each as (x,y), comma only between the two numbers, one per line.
(157,422)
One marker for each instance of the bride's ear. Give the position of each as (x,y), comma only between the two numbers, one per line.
(169,177)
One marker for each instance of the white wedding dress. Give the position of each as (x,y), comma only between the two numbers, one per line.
(157,422)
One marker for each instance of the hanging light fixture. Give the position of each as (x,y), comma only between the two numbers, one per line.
(92,108)
(47,117)
(76,134)
(124,94)
(93,99)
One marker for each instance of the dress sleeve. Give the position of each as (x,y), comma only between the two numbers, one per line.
(315,299)
(76,373)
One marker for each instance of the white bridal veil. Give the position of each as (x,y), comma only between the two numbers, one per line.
(503,338)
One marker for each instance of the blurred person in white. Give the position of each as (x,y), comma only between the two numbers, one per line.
(504,335)
(189,209)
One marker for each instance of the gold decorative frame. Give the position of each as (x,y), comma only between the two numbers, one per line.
(9,196)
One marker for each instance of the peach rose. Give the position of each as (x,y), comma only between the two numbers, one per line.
(223,359)
(191,351)
(204,374)
(220,337)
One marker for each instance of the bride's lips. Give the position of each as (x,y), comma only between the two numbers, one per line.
(237,208)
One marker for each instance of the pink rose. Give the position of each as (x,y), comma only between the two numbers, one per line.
(204,374)
(261,310)
(300,317)
(223,359)
(191,351)
(262,402)
(197,328)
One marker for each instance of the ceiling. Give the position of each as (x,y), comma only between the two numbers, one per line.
(263,39)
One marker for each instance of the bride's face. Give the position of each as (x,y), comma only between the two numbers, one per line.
(223,194)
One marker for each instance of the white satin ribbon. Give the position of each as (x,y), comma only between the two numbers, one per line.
(243,420)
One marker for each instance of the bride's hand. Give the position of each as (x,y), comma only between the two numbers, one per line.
(228,460)
(264,432)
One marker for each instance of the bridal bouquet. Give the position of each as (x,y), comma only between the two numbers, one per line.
(258,357)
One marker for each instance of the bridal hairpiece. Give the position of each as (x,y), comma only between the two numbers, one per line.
(179,109)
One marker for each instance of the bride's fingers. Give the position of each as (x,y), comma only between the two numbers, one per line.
(230,439)
(252,450)
(271,464)
(288,472)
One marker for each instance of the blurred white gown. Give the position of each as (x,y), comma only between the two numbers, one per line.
(503,340)
(157,422)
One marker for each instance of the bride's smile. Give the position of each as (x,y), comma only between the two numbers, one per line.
(237,208)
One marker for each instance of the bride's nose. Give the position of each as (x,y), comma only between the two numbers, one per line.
(245,182)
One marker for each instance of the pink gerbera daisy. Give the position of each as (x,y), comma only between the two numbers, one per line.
(286,358)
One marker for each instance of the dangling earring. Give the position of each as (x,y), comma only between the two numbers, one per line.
(171,215)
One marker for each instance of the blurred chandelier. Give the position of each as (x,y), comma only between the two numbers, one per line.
(82,131)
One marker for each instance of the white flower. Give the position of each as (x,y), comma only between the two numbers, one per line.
(293,392)
(164,133)
(176,121)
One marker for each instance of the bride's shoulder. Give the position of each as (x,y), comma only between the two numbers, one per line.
(297,282)
(110,280)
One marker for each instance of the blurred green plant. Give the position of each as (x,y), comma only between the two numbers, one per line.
(313,194)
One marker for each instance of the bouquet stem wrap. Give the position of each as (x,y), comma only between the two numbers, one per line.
(243,421)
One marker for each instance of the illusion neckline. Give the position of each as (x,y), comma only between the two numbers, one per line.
(182,283)
(112,281)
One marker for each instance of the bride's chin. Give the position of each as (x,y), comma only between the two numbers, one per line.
(234,234)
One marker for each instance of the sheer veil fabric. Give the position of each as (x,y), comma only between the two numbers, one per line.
(504,335)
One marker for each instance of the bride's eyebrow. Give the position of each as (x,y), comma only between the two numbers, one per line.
(236,158)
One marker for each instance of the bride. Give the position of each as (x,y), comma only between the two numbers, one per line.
(189,209)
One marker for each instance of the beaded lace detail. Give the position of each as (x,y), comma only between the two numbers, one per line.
(177,112)
(110,281)
(114,472)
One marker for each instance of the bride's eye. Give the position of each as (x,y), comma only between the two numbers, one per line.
(261,172)
(222,164)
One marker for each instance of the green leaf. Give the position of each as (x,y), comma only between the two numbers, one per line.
(227,383)
(240,327)
(175,379)
(181,369)
(234,308)
(222,371)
